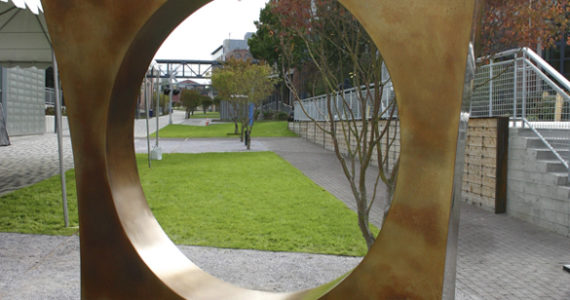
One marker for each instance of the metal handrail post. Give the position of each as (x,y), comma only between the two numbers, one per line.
(515,84)
(523,108)
(491,88)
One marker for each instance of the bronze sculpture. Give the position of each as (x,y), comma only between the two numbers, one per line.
(103,48)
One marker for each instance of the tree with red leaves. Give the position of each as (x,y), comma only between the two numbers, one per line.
(536,24)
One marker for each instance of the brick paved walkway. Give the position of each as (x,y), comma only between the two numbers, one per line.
(499,257)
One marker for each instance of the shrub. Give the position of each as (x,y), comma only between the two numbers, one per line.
(50,111)
(281,116)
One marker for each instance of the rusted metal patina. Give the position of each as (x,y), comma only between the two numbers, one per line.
(104,47)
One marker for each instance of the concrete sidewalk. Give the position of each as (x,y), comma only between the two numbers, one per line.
(499,257)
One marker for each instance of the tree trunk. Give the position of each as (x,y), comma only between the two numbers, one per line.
(363,222)
(241,132)
(235,126)
(248,138)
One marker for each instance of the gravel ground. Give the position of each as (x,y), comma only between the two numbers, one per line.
(47,267)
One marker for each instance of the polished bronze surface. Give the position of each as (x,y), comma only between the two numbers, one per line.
(104,47)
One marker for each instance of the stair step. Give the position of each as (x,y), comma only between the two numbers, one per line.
(548,163)
(561,178)
(558,144)
(555,166)
(547,133)
(546,154)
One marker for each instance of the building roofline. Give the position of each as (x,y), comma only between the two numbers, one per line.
(217,50)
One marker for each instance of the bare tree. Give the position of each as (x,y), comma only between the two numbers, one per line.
(338,47)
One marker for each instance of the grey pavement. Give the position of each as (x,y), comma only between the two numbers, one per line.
(30,159)
(199,145)
(33,158)
(499,257)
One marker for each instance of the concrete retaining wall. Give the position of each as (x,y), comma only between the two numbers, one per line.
(535,194)
(312,132)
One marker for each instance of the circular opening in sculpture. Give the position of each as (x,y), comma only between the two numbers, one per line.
(211,206)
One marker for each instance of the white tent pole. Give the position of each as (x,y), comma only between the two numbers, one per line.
(60,140)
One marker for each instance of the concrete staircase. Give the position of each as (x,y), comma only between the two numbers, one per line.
(538,189)
(560,140)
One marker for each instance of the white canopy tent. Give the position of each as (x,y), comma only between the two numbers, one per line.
(25,42)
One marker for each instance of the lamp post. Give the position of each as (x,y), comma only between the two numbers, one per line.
(170,77)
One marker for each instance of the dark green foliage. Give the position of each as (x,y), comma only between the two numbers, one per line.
(281,116)
(191,99)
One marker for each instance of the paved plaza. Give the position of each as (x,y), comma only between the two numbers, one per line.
(499,257)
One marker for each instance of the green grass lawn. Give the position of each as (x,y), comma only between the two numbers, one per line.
(202,115)
(38,209)
(260,129)
(252,200)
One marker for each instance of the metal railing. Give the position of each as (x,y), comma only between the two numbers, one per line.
(50,96)
(343,109)
(518,83)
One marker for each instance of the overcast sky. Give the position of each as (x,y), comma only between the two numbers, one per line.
(206,29)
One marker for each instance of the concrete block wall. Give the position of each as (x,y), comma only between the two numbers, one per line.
(24,101)
(312,132)
(534,194)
